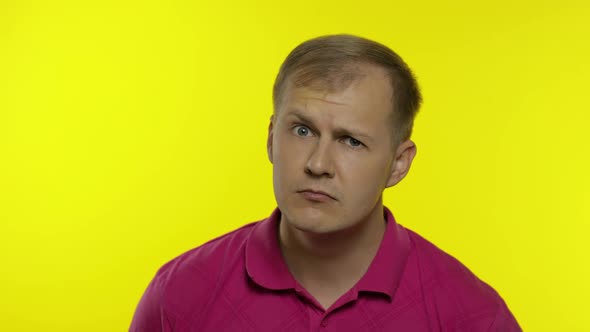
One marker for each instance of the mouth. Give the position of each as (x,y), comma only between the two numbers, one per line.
(316,195)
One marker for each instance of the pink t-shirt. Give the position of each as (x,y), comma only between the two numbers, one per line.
(240,282)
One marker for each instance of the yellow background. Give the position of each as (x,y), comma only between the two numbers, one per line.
(132,131)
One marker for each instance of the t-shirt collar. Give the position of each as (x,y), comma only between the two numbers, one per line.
(264,261)
(265,264)
(386,269)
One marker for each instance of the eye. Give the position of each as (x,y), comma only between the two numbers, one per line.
(302,130)
(355,143)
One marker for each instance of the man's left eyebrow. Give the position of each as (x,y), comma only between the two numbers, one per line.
(352,132)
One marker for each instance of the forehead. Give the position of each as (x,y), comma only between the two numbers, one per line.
(370,95)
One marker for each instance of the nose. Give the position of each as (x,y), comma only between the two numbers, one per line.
(319,162)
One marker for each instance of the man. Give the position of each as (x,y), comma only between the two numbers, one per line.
(331,257)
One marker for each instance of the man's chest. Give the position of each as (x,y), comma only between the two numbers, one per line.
(287,312)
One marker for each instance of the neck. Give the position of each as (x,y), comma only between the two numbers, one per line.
(334,262)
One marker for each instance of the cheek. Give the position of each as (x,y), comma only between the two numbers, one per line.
(364,177)
(287,158)
(289,150)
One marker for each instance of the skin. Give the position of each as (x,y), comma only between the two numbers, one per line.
(340,143)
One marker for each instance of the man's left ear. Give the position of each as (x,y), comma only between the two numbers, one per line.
(404,155)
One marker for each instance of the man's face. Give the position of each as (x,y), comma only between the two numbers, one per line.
(337,143)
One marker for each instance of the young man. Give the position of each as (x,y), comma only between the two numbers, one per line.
(330,257)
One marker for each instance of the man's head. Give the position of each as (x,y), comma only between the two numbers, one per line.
(331,63)
(344,108)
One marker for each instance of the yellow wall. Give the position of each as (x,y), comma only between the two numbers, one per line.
(131,131)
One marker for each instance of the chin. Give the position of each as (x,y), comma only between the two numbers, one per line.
(313,221)
(311,217)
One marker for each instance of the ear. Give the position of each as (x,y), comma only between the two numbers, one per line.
(269,138)
(404,155)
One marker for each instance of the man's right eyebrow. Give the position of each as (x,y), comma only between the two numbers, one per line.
(300,117)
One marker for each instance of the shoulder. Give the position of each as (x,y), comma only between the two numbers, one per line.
(455,295)
(435,263)
(206,260)
(182,284)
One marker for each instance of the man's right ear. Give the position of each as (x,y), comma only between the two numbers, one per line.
(269,138)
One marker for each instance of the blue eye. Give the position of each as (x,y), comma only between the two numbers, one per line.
(302,131)
(354,142)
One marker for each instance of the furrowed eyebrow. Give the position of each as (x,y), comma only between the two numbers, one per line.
(338,131)
(301,118)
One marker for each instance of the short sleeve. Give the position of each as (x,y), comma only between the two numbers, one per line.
(504,321)
(150,315)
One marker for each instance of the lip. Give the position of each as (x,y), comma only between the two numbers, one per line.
(316,195)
